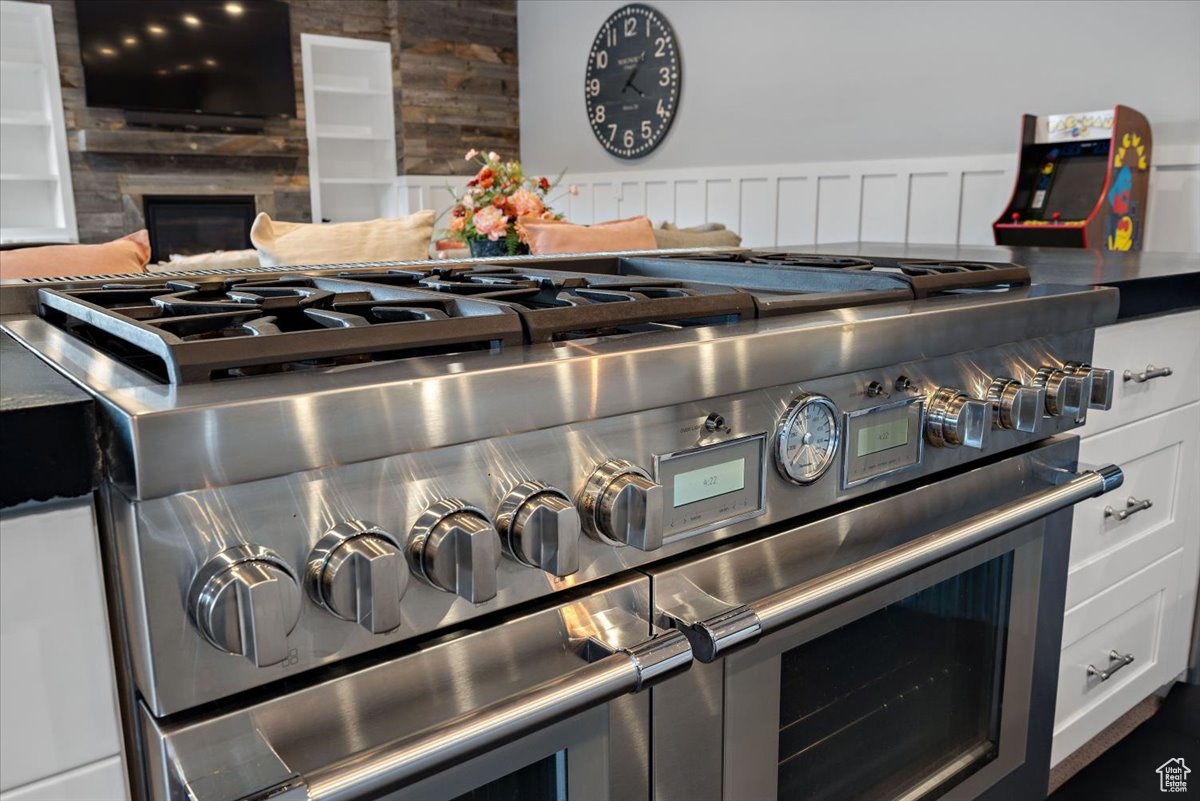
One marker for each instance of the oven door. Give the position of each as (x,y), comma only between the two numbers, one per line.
(904,649)
(539,707)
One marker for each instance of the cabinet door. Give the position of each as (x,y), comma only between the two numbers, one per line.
(57,686)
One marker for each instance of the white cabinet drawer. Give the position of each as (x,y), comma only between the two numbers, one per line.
(1173,341)
(1161,460)
(99,781)
(1130,618)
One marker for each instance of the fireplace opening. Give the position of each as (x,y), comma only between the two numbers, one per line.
(190,224)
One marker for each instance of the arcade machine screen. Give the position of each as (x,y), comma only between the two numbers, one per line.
(1065,180)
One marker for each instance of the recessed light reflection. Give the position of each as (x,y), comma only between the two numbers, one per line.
(162,71)
(234,9)
(210,62)
(130,41)
(107,51)
(184,67)
(191,20)
(157,30)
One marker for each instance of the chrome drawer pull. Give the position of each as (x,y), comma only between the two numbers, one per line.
(1132,507)
(1116,661)
(712,636)
(1150,372)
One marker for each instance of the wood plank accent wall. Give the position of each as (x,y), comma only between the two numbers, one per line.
(455,78)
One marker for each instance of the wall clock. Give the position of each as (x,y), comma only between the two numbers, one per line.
(633,81)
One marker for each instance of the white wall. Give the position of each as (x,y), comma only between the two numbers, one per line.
(798,82)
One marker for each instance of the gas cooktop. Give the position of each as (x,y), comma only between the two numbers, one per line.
(201,328)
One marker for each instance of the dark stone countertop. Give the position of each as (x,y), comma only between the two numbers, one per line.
(47,431)
(1150,283)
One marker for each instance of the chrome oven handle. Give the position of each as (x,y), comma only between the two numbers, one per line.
(736,626)
(392,765)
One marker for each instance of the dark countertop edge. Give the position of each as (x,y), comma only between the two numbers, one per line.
(48,439)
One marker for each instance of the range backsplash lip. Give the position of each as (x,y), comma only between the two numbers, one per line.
(166,439)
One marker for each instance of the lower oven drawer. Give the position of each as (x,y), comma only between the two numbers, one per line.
(538,707)
(1116,652)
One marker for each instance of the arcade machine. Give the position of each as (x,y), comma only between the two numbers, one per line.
(1082,182)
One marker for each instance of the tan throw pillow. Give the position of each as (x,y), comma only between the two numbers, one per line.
(687,238)
(558,236)
(285,244)
(129,254)
(217,260)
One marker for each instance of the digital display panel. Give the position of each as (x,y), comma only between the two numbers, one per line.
(709,482)
(883,436)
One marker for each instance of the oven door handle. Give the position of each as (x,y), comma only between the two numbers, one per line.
(738,625)
(406,760)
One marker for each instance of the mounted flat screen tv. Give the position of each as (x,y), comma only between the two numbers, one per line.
(227,57)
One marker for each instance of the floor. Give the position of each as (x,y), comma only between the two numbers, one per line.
(1127,771)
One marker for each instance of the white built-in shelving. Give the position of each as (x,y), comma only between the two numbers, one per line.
(350,119)
(36,204)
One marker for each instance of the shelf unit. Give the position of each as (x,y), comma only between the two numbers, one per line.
(36,201)
(350,119)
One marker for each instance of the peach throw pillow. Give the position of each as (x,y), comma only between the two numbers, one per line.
(286,244)
(129,254)
(557,236)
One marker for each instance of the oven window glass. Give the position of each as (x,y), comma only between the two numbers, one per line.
(902,703)
(544,780)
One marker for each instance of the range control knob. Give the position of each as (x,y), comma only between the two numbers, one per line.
(620,505)
(1102,383)
(954,419)
(454,547)
(540,528)
(245,600)
(1067,395)
(1016,406)
(356,572)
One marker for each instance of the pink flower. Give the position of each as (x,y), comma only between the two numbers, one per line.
(494,157)
(525,203)
(491,222)
(468,200)
(573,190)
(472,153)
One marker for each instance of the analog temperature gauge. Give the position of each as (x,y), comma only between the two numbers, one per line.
(807,438)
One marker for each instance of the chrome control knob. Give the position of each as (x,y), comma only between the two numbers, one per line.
(454,547)
(954,418)
(245,600)
(1067,395)
(356,572)
(1102,383)
(1016,407)
(620,505)
(540,528)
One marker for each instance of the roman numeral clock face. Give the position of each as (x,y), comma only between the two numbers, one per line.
(633,81)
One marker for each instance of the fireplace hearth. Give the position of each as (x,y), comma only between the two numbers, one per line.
(189,224)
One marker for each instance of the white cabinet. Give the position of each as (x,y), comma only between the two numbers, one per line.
(59,729)
(1135,553)
(349,110)
(36,204)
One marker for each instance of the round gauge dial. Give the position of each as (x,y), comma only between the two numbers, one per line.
(807,438)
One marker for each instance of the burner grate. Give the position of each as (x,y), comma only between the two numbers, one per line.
(186,331)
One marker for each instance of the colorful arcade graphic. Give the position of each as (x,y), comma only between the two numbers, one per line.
(1081,182)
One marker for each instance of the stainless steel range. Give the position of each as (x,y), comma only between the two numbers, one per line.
(429,530)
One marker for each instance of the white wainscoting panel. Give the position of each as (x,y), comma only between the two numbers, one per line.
(940,201)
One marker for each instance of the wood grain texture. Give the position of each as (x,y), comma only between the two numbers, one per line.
(454,73)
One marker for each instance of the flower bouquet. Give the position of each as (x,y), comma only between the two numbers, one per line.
(485,215)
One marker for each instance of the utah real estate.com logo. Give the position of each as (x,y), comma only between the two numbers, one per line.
(1172,776)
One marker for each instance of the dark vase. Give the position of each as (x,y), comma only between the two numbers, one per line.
(487,249)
